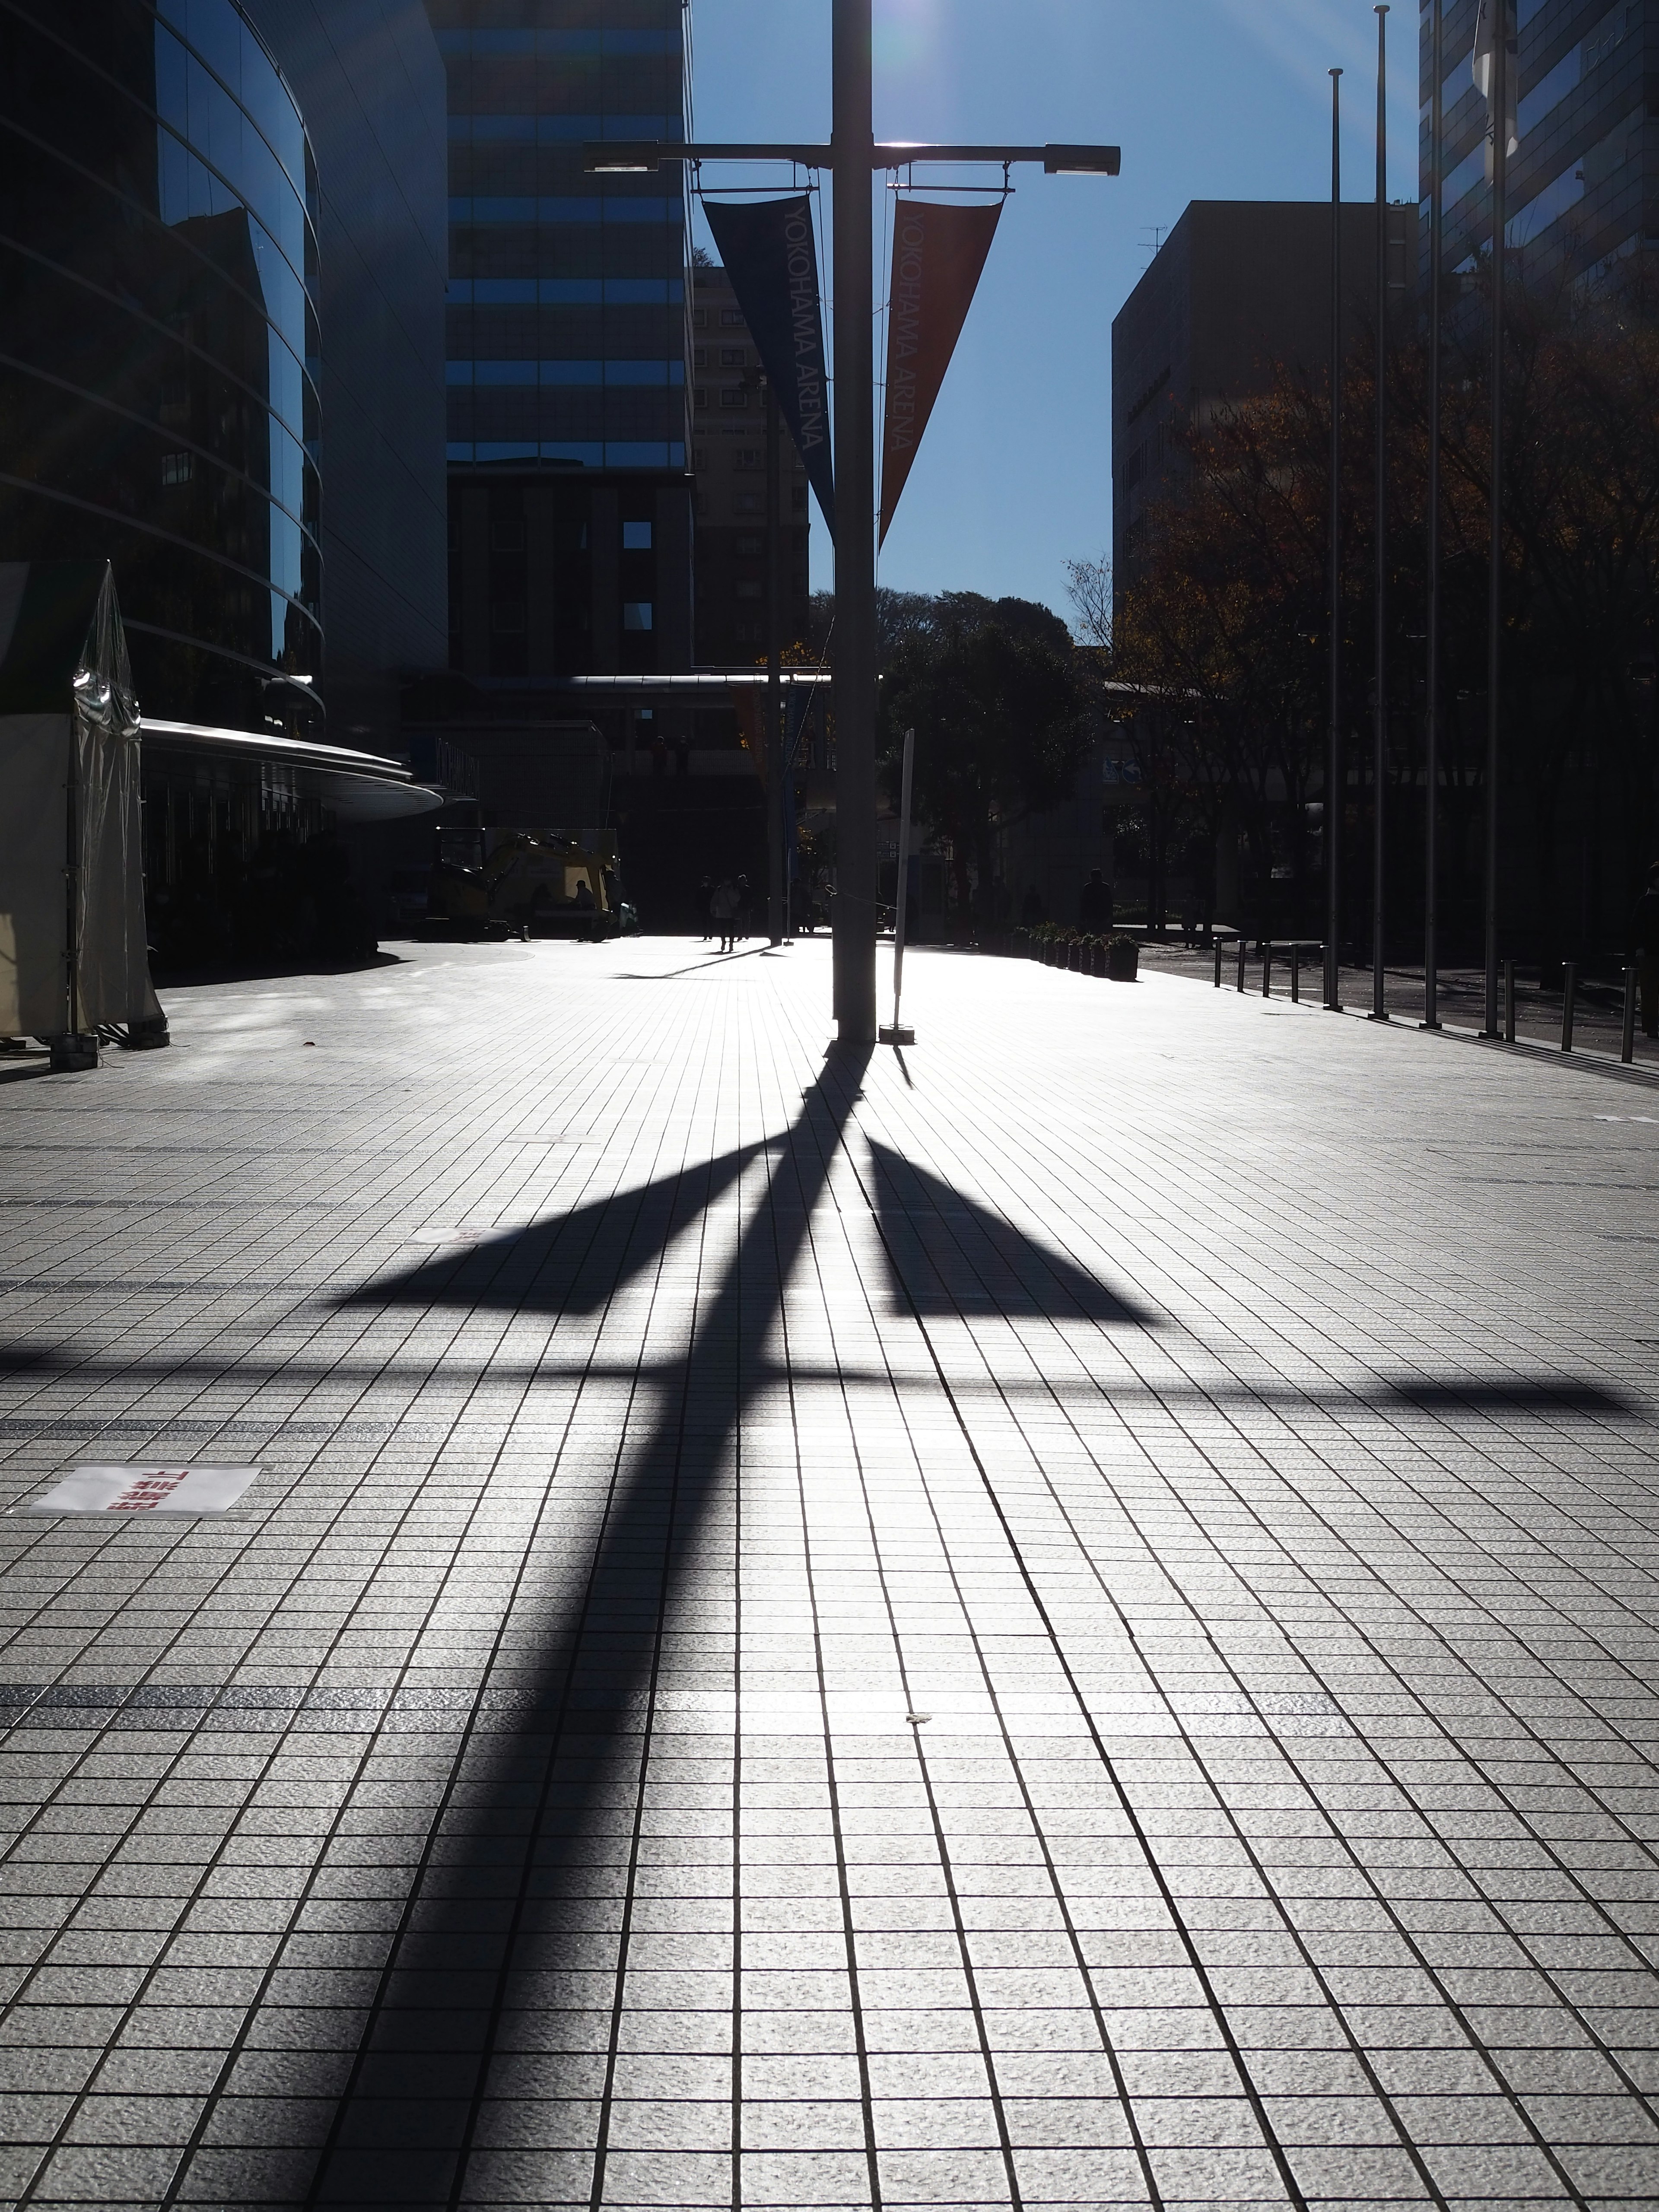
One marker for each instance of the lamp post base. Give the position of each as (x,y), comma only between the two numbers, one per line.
(895,1033)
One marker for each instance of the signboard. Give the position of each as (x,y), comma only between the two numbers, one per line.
(144,1490)
(769,257)
(938,251)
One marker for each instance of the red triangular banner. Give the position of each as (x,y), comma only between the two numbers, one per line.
(938,251)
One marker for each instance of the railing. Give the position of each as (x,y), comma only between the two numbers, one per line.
(1090,955)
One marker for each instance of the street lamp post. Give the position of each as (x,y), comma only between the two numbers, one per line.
(853,134)
(1379,732)
(1334,733)
(854,156)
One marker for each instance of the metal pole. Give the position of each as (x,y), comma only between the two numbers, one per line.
(853,140)
(897,1034)
(1569,1003)
(1627,1039)
(1500,156)
(1508,1002)
(1380,732)
(1333,751)
(778,885)
(1432,721)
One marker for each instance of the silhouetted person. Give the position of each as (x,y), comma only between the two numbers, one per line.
(745,907)
(705,893)
(1645,944)
(683,755)
(1094,906)
(723,907)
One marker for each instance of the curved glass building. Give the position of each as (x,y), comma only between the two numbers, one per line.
(158,349)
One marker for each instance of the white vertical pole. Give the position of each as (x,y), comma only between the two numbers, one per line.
(902,885)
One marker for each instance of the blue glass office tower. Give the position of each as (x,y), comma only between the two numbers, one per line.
(569,506)
(159,360)
(1582,188)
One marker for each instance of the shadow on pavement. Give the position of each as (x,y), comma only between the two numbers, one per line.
(571,1264)
(520,1911)
(955,1256)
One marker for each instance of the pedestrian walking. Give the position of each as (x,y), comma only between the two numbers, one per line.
(1094,906)
(723,905)
(705,894)
(745,907)
(1645,945)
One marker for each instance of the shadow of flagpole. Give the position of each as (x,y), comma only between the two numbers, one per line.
(480,1935)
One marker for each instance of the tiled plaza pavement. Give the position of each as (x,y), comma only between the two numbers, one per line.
(1070,1621)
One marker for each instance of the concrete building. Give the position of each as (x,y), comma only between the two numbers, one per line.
(1237,290)
(570,510)
(1584,186)
(165,398)
(369,82)
(728,459)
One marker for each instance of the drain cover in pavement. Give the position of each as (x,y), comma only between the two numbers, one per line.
(144,1490)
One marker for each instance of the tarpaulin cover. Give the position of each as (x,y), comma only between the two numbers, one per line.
(73,955)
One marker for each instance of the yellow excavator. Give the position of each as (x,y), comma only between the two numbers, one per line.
(520,883)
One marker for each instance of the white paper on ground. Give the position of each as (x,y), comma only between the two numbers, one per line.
(144,1490)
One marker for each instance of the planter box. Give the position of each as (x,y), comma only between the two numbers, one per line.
(1122,959)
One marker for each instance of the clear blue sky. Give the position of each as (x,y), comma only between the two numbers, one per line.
(1209,100)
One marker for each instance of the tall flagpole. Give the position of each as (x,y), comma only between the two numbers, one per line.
(1500,157)
(1431,719)
(1380,732)
(1334,733)
(852,132)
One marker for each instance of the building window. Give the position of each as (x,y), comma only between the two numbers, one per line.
(747,502)
(752,457)
(731,318)
(748,589)
(699,356)
(733,395)
(636,537)
(733,357)
(700,397)
(700,456)
(750,549)
(636,614)
(177,468)
(700,319)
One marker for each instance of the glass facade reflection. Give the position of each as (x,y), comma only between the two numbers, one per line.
(159,357)
(567,293)
(569,504)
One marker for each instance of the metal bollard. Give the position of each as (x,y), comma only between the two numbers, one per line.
(1627,1046)
(1569,993)
(1218,964)
(1266,967)
(1508,1002)
(1295,975)
(1243,954)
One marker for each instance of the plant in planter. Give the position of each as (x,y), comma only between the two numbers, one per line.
(1122,959)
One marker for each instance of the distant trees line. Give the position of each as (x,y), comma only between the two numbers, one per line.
(1222,628)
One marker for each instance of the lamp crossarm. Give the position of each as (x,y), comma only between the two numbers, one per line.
(635,157)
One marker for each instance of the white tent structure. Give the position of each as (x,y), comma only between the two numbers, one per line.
(74,963)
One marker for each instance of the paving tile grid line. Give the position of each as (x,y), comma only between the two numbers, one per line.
(1044,1457)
